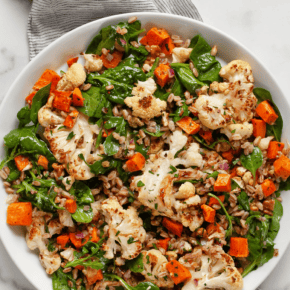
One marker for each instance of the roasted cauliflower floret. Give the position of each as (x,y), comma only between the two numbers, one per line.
(181,54)
(210,271)
(35,240)
(186,190)
(65,218)
(158,195)
(155,269)
(73,78)
(231,102)
(125,230)
(68,254)
(240,131)
(143,103)
(67,144)
(146,107)
(146,88)
(237,70)
(93,62)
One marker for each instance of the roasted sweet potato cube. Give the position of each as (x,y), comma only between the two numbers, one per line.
(266,112)
(208,213)
(156,36)
(274,148)
(223,183)
(162,74)
(268,187)
(188,125)
(62,100)
(42,161)
(239,247)
(19,214)
(49,76)
(136,163)
(282,167)
(22,163)
(167,46)
(71,119)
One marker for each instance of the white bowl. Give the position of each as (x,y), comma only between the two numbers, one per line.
(71,44)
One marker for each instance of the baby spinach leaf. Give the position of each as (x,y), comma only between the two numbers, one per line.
(181,112)
(83,216)
(24,116)
(207,66)
(140,53)
(283,185)
(186,77)
(140,286)
(104,39)
(253,161)
(135,265)
(243,201)
(111,145)
(212,145)
(38,101)
(276,129)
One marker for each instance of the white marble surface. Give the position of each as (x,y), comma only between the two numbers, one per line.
(261,25)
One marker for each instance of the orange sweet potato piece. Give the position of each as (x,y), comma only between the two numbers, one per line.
(212,228)
(213,200)
(94,236)
(42,161)
(144,40)
(223,183)
(177,271)
(79,267)
(93,275)
(162,74)
(208,213)
(239,247)
(173,226)
(29,98)
(188,125)
(49,76)
(228,155)
(22,162)
(71,61)
(78,99)
(117,57)
(156,36)
(19,214)
(268,187)
(62,100)
(259,128)
(206,135)
(164,243)
(62,240)
(167,46)
(234,172)
(282,167)
(136,163)
(71,205)
(78,243)
(71,119)
(266,112)
(273,149)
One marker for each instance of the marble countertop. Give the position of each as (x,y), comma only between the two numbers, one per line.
(261,25)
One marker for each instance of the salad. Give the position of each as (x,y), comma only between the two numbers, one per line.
(147,165)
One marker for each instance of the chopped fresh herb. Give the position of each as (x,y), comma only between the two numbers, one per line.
(140,183)
(131,240)
(70,135)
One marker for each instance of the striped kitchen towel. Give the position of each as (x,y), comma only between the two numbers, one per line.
(49,19)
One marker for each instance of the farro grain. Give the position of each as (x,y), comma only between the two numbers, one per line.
(3,174)
(9,190)
(6,184)
(132,19)
(214,50)
(195,72)
(106,164)
(110,87)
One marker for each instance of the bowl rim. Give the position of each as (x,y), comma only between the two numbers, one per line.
(91,24)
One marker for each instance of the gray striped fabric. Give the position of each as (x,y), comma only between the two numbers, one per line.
(49,19)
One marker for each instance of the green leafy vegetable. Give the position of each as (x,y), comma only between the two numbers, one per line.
(140,286)
(186,77)
(253,161)
(70,135)
(230,226)
(212,145)
(38,101)
(135,265)
(60,281)
(158,133)
(150,74)
(24,116)
(243,201)
(207,66)
(276,129)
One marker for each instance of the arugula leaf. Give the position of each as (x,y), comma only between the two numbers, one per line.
(140,286)
(276,129)
(135,265)
(212,145)
(186,77)
(38,101)
(253,161)
(60,281)
(207,66)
